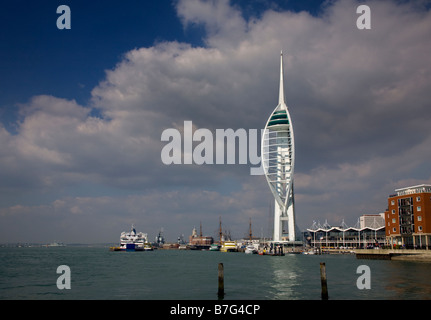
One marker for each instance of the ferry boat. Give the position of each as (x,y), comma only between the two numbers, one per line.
(229,246)
(133,241)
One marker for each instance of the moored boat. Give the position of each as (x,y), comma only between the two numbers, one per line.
(250,249)
(215,247)
(229,246)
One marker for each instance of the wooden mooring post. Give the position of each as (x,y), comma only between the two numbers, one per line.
(220,292)
(323,281)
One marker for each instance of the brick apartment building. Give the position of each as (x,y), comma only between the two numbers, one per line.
(408,217)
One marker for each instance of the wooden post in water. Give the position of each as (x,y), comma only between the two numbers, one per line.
(220,292)
(323,281)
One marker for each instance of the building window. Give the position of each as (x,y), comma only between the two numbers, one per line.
(419,228)
(419,208)
(419,218)
(392,202)
(394,230)
(406,215)
(393,211)
(418,198)
(393,220)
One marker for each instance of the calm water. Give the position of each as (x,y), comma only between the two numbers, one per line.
(97,273)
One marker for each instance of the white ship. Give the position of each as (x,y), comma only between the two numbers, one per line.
(133,241)
(56,244)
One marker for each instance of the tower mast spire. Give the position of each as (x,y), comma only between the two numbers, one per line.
(281,91)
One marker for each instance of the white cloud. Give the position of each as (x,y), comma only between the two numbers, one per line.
(222,22)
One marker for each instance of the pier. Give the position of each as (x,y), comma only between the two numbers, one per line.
(394,254)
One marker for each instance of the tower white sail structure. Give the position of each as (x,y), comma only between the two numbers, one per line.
(278,157)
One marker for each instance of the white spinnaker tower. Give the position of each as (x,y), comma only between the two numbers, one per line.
(278,157)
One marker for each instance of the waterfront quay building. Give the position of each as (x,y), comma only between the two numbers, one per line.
(408,217)
(370,235)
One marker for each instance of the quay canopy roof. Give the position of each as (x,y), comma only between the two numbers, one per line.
(321,229)
(316,227)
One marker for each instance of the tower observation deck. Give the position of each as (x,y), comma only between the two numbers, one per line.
(278,157)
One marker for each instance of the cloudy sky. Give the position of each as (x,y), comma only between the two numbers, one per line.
(82,112)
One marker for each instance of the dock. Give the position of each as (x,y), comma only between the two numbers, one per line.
(394,254)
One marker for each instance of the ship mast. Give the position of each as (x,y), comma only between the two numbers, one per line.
(220,231)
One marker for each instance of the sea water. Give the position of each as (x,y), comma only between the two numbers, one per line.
(97,273)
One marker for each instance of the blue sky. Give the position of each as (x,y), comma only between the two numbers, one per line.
(38,58)
(82,112)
